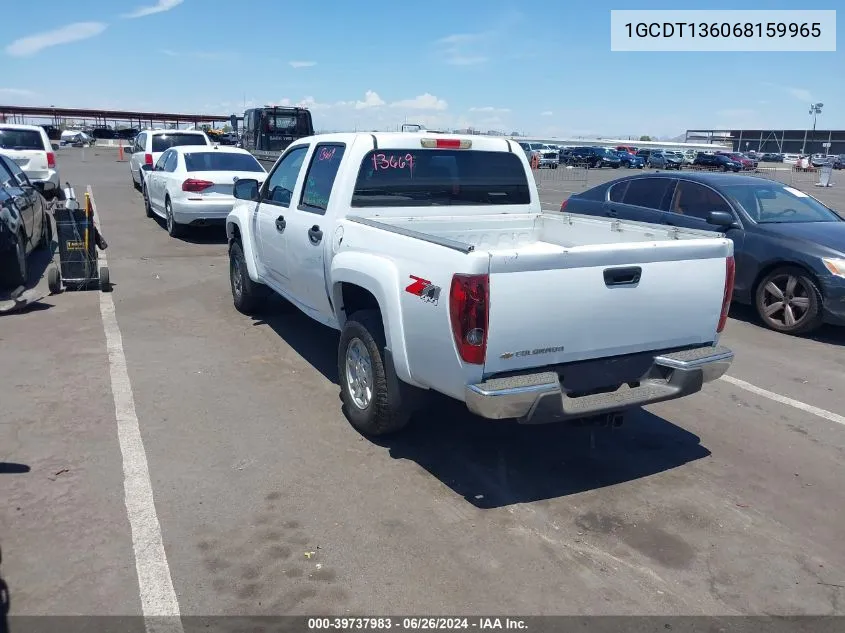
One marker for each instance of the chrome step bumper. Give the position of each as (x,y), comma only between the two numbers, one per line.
(672,375)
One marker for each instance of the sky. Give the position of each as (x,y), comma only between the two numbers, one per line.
(540,68)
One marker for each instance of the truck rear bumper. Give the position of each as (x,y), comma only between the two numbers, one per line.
(539,396)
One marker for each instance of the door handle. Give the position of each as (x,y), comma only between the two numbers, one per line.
(315,234)
(281,224)
(627,276)
(612,213)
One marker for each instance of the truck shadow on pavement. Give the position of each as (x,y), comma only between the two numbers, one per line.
(12,468)
(499,463)
(830,334)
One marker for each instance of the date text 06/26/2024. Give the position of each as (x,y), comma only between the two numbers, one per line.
(415,623)
(723,30)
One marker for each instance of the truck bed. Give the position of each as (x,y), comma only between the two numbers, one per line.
(566,288)
(529,232)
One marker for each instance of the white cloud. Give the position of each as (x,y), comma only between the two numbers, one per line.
(16,92)
(302,64)
(32,44)
(422,102)
(547,113)
(490,109)
(801,94)
(210,56)
(736,113)
(371,100)
(462,49)
(159,7)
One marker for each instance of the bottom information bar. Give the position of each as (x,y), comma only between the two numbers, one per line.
(536,624)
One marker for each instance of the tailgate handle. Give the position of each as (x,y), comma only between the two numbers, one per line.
(629,276)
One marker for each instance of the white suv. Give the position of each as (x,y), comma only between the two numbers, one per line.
(30,147)
(150,144)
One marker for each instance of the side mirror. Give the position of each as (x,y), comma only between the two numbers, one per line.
(55,146)
(246,189)
(722,219)
(146,167)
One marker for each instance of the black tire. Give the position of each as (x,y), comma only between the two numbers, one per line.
(46,241)
(138,186)
(173,229)
(248,296)
(148,210)
(378,417)
(13,270)
(105,284)
(54,280)
(805,301)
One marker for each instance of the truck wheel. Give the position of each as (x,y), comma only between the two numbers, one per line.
(247,295)
(788,301)
(148,210)
(363,379)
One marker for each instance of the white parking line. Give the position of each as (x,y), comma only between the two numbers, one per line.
(158,597)
(776,397)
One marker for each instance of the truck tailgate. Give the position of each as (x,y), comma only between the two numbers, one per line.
(603,300)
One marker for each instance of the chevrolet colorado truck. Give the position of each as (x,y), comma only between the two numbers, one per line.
(432,256)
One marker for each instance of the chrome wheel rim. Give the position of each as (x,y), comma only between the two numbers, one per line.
(359,374)
(786,301)
(236,276)
(168,212)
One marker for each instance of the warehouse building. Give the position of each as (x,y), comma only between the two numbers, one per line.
(776,141)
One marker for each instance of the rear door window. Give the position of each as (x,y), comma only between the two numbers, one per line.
(320,177)
(13,139)
(617,191)
(440,177)
(647,192)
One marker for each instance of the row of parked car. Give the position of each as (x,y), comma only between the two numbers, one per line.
(597,157)
(29,177)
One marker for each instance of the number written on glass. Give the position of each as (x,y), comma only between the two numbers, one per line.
(326,153)
(393,161)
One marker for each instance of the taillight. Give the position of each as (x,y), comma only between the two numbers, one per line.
(730,273)
(563,204)
(468,309)
(192,184)
(446,143)
(51,160)
(148,159)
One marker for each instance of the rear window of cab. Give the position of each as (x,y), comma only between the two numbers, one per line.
(440,177)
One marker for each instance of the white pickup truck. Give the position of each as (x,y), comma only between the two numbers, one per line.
(433,257)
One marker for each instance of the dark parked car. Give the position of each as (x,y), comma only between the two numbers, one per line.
(660,159)
(593,157)
(24,223)
(771,158)
(746,162)
(716,161)
(789,248)
(629,160)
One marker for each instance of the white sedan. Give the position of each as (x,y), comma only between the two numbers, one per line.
(191,185)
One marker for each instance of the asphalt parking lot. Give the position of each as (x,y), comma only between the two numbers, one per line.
(268,502)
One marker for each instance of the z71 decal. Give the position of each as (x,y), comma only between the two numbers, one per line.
(424,289)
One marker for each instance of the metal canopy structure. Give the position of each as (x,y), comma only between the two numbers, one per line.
(22,114)
(779,141)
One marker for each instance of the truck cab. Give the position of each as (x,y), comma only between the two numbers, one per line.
(268,131)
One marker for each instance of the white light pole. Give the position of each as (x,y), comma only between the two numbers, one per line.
(815,111)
